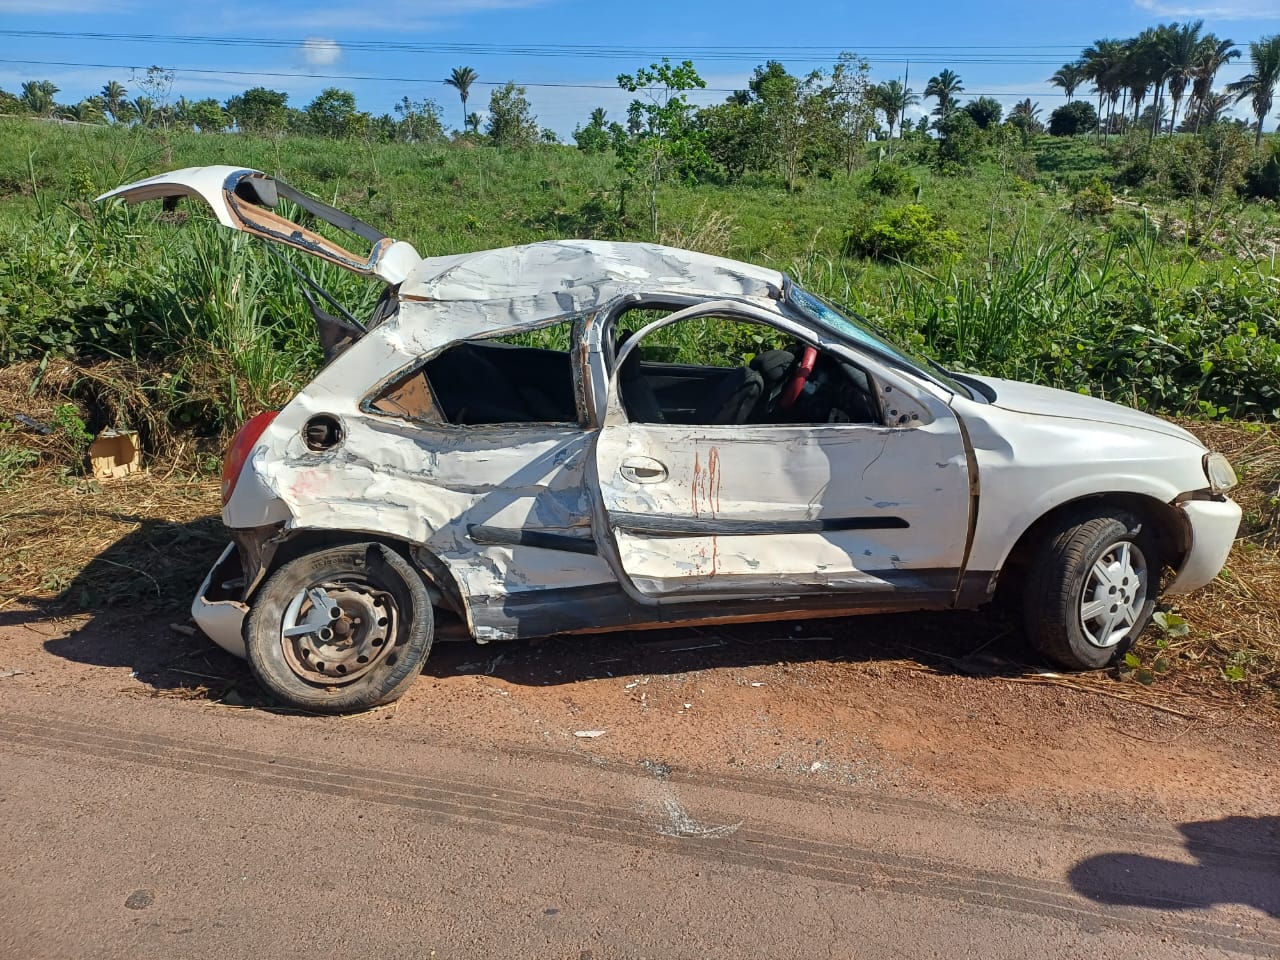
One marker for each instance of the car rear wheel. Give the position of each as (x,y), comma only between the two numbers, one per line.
(1091,590)
(341,629)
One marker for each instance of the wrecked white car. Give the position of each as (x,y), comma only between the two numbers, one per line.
(519,438)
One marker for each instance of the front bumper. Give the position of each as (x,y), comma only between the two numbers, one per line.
(1213,525)
(214,610)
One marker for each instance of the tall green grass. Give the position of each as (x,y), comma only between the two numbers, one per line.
(1118,308)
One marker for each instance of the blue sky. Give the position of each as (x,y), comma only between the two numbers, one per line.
(1027,40)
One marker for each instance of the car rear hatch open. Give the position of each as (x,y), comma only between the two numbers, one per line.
(245,200)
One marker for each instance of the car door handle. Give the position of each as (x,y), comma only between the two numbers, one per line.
(643,470)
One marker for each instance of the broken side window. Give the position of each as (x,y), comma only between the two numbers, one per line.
(517,378)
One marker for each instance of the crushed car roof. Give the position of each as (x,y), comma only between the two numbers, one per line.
(582,273)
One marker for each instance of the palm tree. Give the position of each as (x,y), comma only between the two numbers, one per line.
(1068,77)
(1155,55)
(1259,85)
(1210,109)
(1184,50)
(597,117)
(473,120)
(1211,57)
(893,98)
(461,80)
(946,87)
(1103,67)
(113,95)
(37,96)
(1025,108)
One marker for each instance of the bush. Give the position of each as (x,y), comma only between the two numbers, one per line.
(902,233)
(891,180)
(1095,200)
(960,143)
(1262,180)
(1072,118)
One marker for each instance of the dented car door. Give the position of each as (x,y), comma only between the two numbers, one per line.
(858,509)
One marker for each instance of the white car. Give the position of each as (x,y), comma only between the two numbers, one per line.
(488,444)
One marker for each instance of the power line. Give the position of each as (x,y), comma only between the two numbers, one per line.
(385,79)
(546,49)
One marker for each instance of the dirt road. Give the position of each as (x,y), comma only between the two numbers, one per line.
(749,796)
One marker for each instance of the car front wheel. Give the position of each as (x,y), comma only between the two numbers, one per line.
(340,629)
(1091,590)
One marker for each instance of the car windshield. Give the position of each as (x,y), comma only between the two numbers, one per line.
(858,329)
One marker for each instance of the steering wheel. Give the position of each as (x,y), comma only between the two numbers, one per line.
(792,391)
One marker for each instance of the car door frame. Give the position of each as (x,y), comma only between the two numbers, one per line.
(913,401)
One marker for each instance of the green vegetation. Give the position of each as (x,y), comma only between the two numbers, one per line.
(1136,262)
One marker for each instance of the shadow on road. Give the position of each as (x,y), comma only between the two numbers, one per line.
(1238,861)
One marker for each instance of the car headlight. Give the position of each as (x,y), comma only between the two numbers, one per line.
(1218,469)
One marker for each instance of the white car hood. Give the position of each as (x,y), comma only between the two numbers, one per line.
(1048,402)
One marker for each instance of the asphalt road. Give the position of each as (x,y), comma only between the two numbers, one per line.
(156,828)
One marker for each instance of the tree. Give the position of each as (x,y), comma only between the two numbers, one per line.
(333,114)
(985,111)
(1026,117)
(473,121)
(797,120)
(854,106)
(959,139)
(1258,86)
(732,133)
(207,115)
(1210,58)
(461,79)
(37,96)
(419,121)
(667,140)
(511,122)
(10,105)
(894,99)
(1183,49)
(945,87)
(114,96)
(1103,68)
(595,136)
(1073,118)
(1068,77)
(259,110)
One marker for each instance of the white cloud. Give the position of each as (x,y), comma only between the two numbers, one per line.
(321,53)
(1216,9)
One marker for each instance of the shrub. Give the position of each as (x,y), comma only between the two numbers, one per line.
(902,233)
(960,143)
(1262,180)
(891,180)
(1095,200)
(1072,118)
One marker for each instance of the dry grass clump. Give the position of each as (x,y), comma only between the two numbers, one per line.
(145,540)
(1234,640)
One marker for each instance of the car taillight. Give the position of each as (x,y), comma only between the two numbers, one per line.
(241,446)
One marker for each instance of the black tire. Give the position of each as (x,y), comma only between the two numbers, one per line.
(361,623)
(1074,613)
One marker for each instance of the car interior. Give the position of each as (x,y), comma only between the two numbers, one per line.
(750,374)
(789,383)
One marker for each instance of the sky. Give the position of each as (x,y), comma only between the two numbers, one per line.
(568,53)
